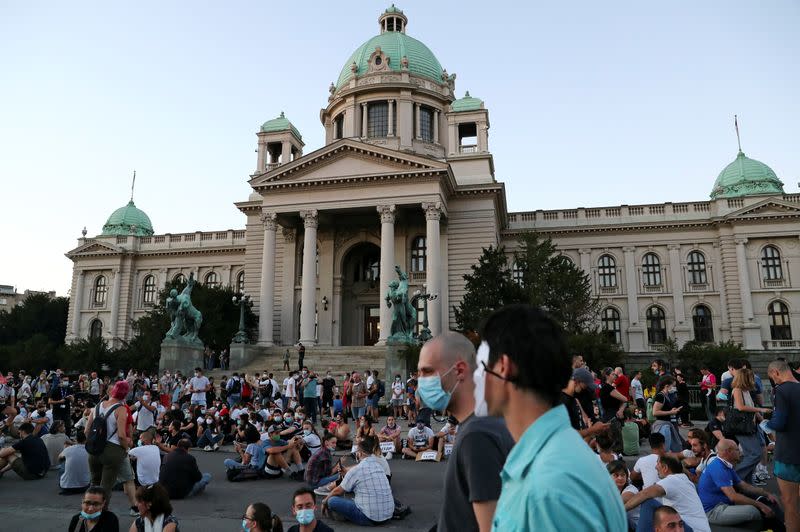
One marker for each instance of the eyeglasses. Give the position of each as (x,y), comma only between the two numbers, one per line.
(494,373)
(91,503)
(248,518)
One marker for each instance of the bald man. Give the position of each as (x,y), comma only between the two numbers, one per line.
(667,519)
(472,479)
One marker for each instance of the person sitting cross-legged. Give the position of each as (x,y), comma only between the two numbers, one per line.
(180,474)
(420,439)
(728,500)
(74,474)
(251,460)
(320,469)
(373,502)
(391,433)
(282,456)
(673,489)
(33,462)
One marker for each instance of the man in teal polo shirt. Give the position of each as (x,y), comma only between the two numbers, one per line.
(551,480)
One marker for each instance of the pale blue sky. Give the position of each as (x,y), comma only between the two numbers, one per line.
(591,103)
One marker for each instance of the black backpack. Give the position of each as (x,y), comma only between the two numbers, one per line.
(98,432)
(381,389)
(236,387)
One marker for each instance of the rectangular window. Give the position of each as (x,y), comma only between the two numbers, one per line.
(377,119)
(426,124)
(338,127)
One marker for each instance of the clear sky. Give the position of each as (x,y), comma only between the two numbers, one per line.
(591,103)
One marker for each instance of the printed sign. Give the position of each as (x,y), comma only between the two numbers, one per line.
(387,447)
(448,449)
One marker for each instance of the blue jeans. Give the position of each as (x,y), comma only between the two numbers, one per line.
(208,438)
(233,464)
(234,398)
(358,411)
(646,511)
(200,485)
(751,455)
(324,481)
(347,508)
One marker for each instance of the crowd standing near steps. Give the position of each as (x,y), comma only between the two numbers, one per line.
(535,439)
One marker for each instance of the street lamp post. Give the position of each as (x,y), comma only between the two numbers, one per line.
(242,301)
(425,334)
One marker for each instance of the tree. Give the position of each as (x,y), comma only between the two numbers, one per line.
(37,314)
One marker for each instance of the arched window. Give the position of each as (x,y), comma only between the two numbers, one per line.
(100,291)
(96,329)
(149,290)
(611,324)
(703,325)
(607,271)
(240,282)
(418,252)
(651,270)
(779,326)
(656,326)
(179,279)
(771,263)
(697,268)
(517,274)
(212,280)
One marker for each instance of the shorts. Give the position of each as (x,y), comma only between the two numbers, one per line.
(787,472)
(373,402)
(397,403)
(270,473)
(18,466)
(125,471)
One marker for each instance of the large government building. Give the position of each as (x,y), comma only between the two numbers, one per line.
(406,177)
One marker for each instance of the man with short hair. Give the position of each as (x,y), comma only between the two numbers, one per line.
(358,390)
(304,505)
(580,382)
(180,474)
(54,442)
(551,479)
(703,454)
(472,478)
(234,389)
(198,386)
(33,462)
(645,467)
(673,489)
(785,422)
(667,519)
(41,419)
(727,499)
(301,355)
(621,383)
(147,411)
(148,459)
(420,439)
(75,476)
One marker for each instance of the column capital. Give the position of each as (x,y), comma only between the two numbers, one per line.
(269,220)
(629,249)
(310,218)
(387,213)
(674,247)
(740,241)
(433,211)
(288,234)
(390,100)
(418,104)
(584,251)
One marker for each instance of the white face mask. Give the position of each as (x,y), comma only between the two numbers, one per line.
(479,378)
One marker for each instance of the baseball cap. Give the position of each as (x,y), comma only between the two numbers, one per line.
(584,376)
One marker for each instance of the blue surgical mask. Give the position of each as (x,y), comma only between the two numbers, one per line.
(91,516)
(305,516)
(306,431)
(244,524)
(431,392)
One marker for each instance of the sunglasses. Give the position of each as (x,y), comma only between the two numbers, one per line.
(91,503)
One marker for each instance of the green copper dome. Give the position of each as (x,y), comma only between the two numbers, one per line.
(280,124)
(746,177)
(128,220)
(467,103)
(395,45)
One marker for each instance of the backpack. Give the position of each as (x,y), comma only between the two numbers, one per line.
(98,432)
(246,391)
(381,389)
(651,418)
(236,387)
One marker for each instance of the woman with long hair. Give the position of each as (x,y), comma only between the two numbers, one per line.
(155,510)
(743,386)
(259,518)
(665,411)
(619,474)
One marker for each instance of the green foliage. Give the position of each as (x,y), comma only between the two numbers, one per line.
(37,314)
(694,355)
(597,349)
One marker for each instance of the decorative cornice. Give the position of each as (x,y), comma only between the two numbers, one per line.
(387,213)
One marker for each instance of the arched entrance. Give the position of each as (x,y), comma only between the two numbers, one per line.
(360,318)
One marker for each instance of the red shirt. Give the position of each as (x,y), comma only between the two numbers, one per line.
(623,385)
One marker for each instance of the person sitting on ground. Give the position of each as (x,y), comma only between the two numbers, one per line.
(246,432)
(631,434)
(42,419)
(714,427)
(304,505)
(665,411)
(447,439)
(169,442)
(180,475)
(292,424)
(619,473)
(251,457)
(33,462)
(667,519)
(148,459)
(342,430)
(94,514)
(259,518)
(74,477)
(321,469)
(210,434)
(282,456)
(365,428)
(311,440)
(604,444)
(420,439)
(373,502)
(54,441)
(391,433)
(702,455)
(644,469)
(730,501)
(155,510)
(673,489)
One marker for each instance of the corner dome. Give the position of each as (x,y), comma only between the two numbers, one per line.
(281,123)
(467,103)
(128,220)
(395,45)
(746,177)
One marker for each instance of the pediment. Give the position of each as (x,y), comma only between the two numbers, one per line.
(94,247)
(346,159)
(766,209)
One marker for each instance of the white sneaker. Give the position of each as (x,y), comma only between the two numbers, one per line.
(216,447)
(322,491)
(207,448)
(389,455)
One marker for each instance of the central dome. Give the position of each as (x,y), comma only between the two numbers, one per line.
(395,44)
(745,177)
(128,220)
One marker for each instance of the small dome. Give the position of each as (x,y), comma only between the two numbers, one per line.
(393,10)
(467,103)
(746,177)
(128,220)
(255,196)
(280,124)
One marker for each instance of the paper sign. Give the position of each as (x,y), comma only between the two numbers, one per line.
(387,447)
(428,455)
(448,449)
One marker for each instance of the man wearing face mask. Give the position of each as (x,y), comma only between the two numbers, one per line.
(60,401)
(447,374)
(304,503)
(551,479)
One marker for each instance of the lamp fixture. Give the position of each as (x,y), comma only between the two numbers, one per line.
(325,303)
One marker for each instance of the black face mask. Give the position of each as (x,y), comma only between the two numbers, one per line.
(42,412)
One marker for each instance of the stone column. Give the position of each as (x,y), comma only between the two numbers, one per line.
(266,299)
(364,124)
(417,122)
(286,152)
(682,329)
(262,150)
(112,329)
(78,297)
(751,330)
(308,298)
(390,133)
(636,331)
(387,267)
(436,126)
(433,266)
(585,262)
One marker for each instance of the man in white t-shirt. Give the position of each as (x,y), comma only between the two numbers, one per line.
(291,392)
(148,459)
(397,396)
(147,412)
(420,439)
(74,476)
(674,489)
(645,467)
(199,385)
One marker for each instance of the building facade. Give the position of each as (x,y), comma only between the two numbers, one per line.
(406,178)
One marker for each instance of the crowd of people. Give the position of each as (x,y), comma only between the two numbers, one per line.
(535,439)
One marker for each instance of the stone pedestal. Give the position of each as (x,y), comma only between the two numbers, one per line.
(751,333)
(395,365)
(180,355)
(243,354)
